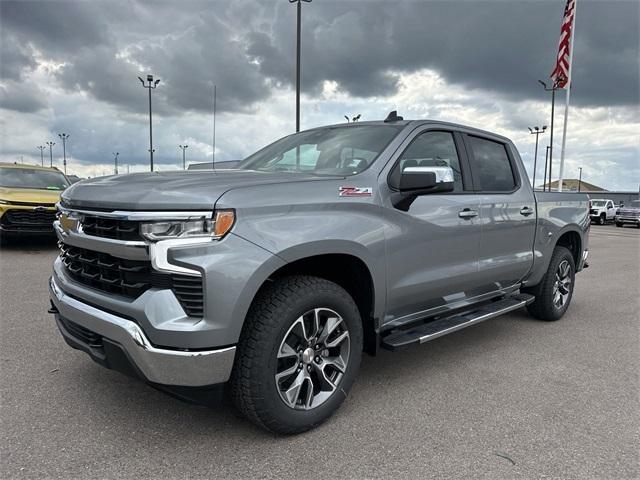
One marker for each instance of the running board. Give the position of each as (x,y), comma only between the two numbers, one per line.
(428,331)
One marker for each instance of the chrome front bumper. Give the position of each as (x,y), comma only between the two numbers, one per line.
(157,365)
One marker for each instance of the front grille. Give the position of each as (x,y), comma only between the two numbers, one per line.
(629,213)
(593,211)
(130,278)
(111,228)
(29,219)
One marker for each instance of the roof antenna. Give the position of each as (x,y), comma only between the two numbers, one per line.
(393,117)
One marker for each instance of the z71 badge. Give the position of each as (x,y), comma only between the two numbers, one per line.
(355,191)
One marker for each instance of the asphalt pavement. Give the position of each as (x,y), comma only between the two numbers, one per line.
(509,398)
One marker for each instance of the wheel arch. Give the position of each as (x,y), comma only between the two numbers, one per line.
(347,264)
(572,241)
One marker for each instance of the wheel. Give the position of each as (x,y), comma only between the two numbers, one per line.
(553,294)
(298,354)
(618,224)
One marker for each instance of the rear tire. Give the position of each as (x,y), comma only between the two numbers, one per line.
(553,294)
(298,354)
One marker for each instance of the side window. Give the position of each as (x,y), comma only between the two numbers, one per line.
(434,149)
(491,163)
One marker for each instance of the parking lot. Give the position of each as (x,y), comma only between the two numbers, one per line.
(509,398)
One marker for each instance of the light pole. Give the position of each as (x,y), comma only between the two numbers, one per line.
(51,144)
(551,89)
(354,119)
(41,148)
(183,148)
(546,162)
(299,21)
(64,137)
(536,131)
(151,85)
(580,179)
(115,161)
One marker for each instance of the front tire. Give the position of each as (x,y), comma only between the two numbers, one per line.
(298,354)
(618,224)
(553,294)
(602,219)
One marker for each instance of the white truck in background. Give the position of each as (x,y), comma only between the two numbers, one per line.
(602,210)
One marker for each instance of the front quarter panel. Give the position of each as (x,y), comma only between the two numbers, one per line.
(295,221)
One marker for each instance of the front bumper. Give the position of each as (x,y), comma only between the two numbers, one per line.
(627,219)
(26,219)
(108,335)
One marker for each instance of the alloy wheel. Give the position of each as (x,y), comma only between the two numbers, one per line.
(312,359)
(562,285)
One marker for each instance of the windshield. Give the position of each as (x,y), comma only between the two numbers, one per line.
(32,178)
(324,151)
(598,203)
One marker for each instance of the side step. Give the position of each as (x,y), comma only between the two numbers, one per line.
(425,332)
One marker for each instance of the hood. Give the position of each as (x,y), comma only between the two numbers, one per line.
(30,195)
(629,209)
(181,190)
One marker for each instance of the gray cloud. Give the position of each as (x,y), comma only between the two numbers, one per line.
(248,49)
(21,98)
(72,66)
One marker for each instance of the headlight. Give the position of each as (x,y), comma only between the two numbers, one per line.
(215,228)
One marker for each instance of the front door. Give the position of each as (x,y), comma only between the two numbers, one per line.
(432,249)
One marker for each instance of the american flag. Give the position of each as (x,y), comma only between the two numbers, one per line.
(560,74)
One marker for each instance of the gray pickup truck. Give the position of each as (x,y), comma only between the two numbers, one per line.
(277,275)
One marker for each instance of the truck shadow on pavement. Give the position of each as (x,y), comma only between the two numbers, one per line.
(30,244)
(135,406)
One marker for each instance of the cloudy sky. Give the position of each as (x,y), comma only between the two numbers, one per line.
(72,67)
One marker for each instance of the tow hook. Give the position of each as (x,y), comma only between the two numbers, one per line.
(53,309)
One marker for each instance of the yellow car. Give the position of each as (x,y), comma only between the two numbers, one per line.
(28,195)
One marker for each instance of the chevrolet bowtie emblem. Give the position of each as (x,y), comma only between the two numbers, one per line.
(39,208)
(68,223)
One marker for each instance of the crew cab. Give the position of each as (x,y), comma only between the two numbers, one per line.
(602,210)
(274,277)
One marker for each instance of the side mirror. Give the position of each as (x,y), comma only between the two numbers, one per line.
(423,180)
(416,181)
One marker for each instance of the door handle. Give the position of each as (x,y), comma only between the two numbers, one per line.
(526,211)
(467,213)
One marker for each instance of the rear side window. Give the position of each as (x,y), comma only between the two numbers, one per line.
(491,165)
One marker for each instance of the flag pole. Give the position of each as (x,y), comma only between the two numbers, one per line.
(213,158)
(568,96)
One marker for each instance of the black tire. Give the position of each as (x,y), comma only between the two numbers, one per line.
(602,219)
(618,224)
(275,311)
(544,308)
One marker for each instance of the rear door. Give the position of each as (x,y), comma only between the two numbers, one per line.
(432,248)
(507,211)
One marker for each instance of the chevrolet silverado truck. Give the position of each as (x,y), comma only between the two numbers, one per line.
(602,210)
(276,276)
(629,214)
